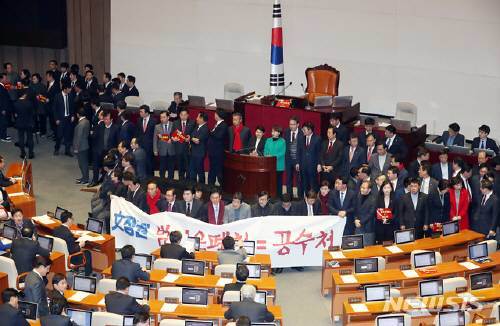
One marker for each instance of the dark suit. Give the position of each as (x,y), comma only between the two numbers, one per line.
(91,87)
(260,146)
(138,198)
(309,160)
(244,136)
(362,139)
(490,144)
(331,157)
(118,97)
(398,147)
(126,132)
(414,218)
(101,145)
(256,312)
(11,316)
(64,116)
(365,212)
(436,172)
(358,158)
(198,152)
(127,268)
(342,133)
(413,168)
(459,139)
(300,208)
(439,207)
(26,223)
(257,210)
(278,210)
(5,111)
(122,304)
(56,320)
(182,148)
(145,139)
(64,233)
(195,207)
(132,91)
(175,251)
(52,91)
(35,292)
(293,158)
(23,252)
(486,215)
(232,287)
(24,123)
(349,206)
(216,145)
(140,163)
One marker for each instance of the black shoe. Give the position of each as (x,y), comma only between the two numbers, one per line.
(92,184)
(68,154)
(298,269)
(23,155)
(31,155)
(56,152)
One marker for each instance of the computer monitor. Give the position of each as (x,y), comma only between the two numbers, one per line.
(94,225)
(192,244)
(424,259)
(430,288)
(198,323)
(80,317)
(195,296)
(392,320)
(342,101)
(451,227)
(261,297)
(198,101)
(481,281)
(323,101)
(459,149)
(28,309)
(193,267)
(58,212)
(128,320)
(249,247)
(404,236)
(254,270)
(144,260)
(139,291)
(9,232)
(365,265)
(46,242)
(84,283)
(451,318)
(226,105)
(380,292)
(352,242)
(478,251)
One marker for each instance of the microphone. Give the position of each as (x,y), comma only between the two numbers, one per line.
(303,89)
(284,89)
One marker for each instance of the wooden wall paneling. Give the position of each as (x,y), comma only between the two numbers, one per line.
(86,31)
(107,35)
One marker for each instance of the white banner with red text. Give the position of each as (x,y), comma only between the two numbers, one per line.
(289,240)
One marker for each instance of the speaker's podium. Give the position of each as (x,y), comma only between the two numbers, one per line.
(249,174)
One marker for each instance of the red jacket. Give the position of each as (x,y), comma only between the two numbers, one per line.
(463,207)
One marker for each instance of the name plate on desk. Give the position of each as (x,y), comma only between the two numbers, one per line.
(172,300)
(461,289)
(334,248)
(173,270)
(345,272)
(354,300)
(404,267)
(459,259)
(489,321)
(227,275)
(387,243)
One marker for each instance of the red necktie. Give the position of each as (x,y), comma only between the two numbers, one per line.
(369,153)
(329,147)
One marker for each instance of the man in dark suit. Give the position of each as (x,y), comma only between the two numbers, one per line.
(131,89)
(452,136)
(363,135)
(105,137)
(122,85)
(427,184)
(483,141)
(263,206)
(140,160)
(481,161)
(396,182)
(127,128)
(175,106)
(9,310)
(183,127)
(24,113)
(309,159)
(198,140)
(64,110)
(439,203)
(174,250)
(106,93)
(354,155)
(342,202)
(216,145)
(117,95)
(340,130)
(442,169)
(63,231)
(370,146)
(257,142)
(213,211)
(145,134)
(25,249)
(395,144)
(81,145)
(309,206)
(364,213)
(239,135)
(57,318)
(119,302)
(34,284)
(331,157)
(125,267)
(53,88)
(163,147)
(18,222)
(241,279)
(91,83)
(284,207)
(422,155)
(135,194)
(256,312)
(172,204)
(5,109)
(294,139)
(486,216)
(190,206)
(414,210)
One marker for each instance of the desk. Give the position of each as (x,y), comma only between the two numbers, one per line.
(58,263)
(450,247)
(21,193)
(408,286)
(4,281)
(103,252)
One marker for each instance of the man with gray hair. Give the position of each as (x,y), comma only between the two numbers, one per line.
(256,312)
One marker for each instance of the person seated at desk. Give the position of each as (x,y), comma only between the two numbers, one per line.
(135,194)
(119,302)
(125,267)
(452,137)
(9,310)
(309,206)
(57,307)
(483,142)
(257,142)
(59,285)
(173,205)
(243,321)
(395,144)
(18,222)
(256,312)
(34,284)
(174,250)
(25,249)
(442,169)
(190,206)
(4,181)
(284,207)
(238,210)
(239,135)
(213,211)
(229,255)
(63,231)
(263,206)
(241,279)
(141,319)
(155,201)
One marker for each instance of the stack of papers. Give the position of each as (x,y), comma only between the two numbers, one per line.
(359,307)
(410,273)
(169,307)
(43,219)
(78,296)
(90,238)
(170,278)
(394,249)
(80,232)
(469,265)
(16,194)
(337,254)
(349,279)
(224,281)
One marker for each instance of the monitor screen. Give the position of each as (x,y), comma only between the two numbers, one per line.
(391,321)
(478,251)
(139,291)
(451,318)
(261,297)
(249,247)
(366,265)
(144,260)
(254,270)
(377,292)
(198,323)
(450,228)
(94,225)
(404,236)
(84,283)
(195,296)
(80,317)
(481,281)
(28,309)
(58,212)
(46,242)
(430,288)
(9,232)
(352,242)
(424,259)
(192,244)
(128,320)
(193,267)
